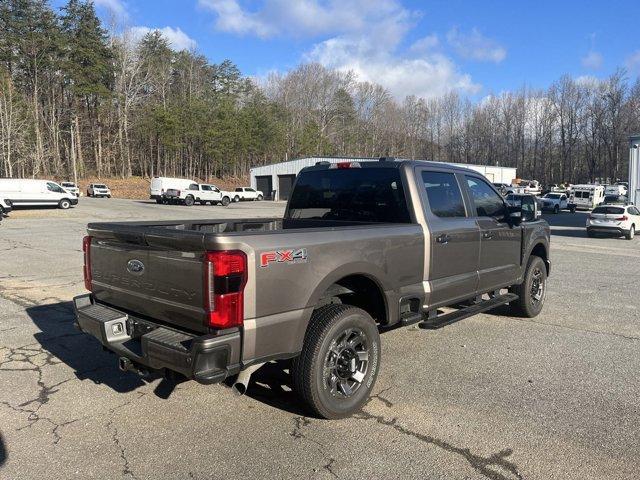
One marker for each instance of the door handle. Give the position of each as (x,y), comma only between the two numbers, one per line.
(444,238)
(487,235)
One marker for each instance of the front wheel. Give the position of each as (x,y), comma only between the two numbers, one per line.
(189,201)
(64,204)
(631,234)
(236,198)
(532,291)
(260,197)
(226,201)
(339,362)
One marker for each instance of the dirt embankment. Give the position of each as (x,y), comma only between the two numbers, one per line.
(138,187)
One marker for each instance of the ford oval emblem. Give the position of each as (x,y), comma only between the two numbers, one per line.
(135,267)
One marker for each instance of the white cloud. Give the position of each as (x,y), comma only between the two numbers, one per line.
(475,46)
(633,62)
(425,44)
(118,7)
(592,60)
(178,40)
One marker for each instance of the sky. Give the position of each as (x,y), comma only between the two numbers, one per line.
(422,48)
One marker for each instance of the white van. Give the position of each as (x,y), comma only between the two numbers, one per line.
(21,192)
(160,185)
(586,196)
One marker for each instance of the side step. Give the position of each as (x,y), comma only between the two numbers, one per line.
(453,317)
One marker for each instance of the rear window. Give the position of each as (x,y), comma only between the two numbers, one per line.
(608,210)
(357,194)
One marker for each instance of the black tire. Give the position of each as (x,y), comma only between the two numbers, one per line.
(631,233)
(64,204)
(189,201)
(337,341)
(108,196)
(236,198)
(88,194)
(532,291)
(590,234)
(158,200)
(556,209)
(225,201)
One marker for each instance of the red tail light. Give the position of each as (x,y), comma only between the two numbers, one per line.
(623,218)
(225,275)
(86,248)
(342,165)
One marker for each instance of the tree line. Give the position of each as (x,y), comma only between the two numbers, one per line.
(78,100)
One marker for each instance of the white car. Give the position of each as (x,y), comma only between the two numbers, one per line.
(247,193)
(5,206)
(555,202)
(616,189)
(614,219)
(201,193)
(71,188)
(27,192)
(160,185)
(98,190)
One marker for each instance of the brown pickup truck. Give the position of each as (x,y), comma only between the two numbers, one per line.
(362,248)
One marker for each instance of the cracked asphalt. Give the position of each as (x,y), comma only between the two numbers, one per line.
(497,397)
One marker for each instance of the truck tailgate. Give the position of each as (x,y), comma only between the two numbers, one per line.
(148,271)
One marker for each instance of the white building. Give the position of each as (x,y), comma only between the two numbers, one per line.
(634,170)
(279,177)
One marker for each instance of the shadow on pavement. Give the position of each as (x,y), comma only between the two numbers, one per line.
(80,351)
(271,385)
(3,451)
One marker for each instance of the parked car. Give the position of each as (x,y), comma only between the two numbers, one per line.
(71,188)
(361,248)
(5,206)
(555,202)
(247,193)
(615,200)
(201,193)
(613,219)
(616,189)
(27,192)
(586,197)
(160,185)
(98,190)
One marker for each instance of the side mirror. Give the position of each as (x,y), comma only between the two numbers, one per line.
(514,215)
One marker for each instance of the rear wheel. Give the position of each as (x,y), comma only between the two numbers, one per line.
(225,201)
(532,291)
(189,201)
(158,200)
(64,204)
(631,234)
(236,198)
(339,363)
(260,197)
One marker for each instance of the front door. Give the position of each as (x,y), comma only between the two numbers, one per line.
(453,239)
(500,242)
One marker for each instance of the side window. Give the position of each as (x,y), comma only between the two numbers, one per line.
(206,188)
(634,211)
(52,187)
(250,190)
(193,186)
(488,203)
(443,193)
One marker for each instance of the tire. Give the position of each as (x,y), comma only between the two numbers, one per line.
(189,201)
(225,201)
(590,234)
(331,374)
(631,234)
(556,209)
(260,198)
(158,201)
(88,194)
(64,204)
(236,198)
(530,303)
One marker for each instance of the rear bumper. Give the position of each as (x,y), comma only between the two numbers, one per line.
(207,359)
(616,230)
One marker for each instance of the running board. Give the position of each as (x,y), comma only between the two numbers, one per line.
(453,317)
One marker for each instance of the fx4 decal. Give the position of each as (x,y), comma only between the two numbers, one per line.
(298,255)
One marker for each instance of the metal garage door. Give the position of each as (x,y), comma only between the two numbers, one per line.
(285,182)
(265,185)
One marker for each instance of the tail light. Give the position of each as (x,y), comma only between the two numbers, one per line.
(623,218)
(225,275)
(342,165)
(86,248)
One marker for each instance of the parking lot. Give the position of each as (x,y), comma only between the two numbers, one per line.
(490,397)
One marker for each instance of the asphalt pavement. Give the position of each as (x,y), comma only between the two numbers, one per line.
(497,397)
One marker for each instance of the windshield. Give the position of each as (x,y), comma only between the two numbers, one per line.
(552,195)
(68,185)
(356,194)
(99,185)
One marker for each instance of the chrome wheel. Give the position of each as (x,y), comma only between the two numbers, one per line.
(537,286)
(346,363)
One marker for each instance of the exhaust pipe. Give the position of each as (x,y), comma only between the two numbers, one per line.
(126,365)
(239,387)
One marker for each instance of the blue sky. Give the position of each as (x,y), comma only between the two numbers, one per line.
(410,47)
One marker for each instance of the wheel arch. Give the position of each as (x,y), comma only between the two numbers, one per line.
(541,250)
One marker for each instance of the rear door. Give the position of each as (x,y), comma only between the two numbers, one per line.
(454,238)
(500,243)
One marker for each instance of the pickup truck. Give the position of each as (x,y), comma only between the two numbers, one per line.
(199,193)
(363,248)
